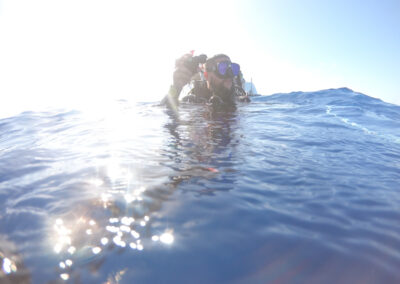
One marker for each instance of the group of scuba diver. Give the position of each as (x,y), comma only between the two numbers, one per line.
(216,82)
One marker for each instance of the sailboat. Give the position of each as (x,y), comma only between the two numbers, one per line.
(252,91)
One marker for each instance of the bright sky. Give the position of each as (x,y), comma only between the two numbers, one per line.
(84,52)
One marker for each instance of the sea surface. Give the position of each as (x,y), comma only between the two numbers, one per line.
(291,188)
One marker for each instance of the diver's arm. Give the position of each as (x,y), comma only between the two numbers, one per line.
(172,98)
(181,77)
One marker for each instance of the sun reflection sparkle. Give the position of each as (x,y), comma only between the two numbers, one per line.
(113,220)
(71,250)
(104,241)
(102,231)
(167,238)
(125,229)
(64,276)
(8,266)
(96,250)
(63,234)
(127,220)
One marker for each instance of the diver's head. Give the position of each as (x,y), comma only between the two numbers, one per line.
(220,72)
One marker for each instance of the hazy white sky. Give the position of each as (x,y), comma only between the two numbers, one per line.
(83,52)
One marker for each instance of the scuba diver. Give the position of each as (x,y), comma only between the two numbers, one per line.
(216,82)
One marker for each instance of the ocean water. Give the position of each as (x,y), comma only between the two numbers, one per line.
(291,188)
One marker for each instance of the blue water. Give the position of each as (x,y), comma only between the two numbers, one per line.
(291,188)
